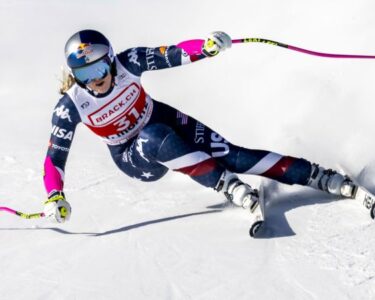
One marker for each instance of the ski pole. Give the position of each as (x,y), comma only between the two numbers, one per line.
(294,48)
(21,214)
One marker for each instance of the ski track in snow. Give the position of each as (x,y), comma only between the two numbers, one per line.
(329,242)
(331,247)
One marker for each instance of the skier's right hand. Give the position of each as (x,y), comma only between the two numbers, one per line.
(56,208)
(216,42)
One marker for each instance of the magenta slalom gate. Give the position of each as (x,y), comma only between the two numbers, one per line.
(21,214)
(294,48)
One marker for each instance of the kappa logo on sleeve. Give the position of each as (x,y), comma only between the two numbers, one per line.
(63,113)
(133,57)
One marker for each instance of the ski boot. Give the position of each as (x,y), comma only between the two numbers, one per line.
(337,184)
(243,195)
(331,182)
(238,192)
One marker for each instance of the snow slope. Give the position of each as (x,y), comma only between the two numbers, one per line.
(174,239)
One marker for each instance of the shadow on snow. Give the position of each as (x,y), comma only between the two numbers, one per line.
(121,229)
(276,225)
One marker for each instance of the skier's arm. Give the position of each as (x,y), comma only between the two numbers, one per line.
(64,121)
(141,59)
(215,42)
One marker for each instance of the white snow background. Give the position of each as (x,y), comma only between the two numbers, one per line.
(174,239)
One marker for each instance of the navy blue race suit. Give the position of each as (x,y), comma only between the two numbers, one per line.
(146,137)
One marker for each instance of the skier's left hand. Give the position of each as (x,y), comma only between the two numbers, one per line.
(56,208)
(216,41)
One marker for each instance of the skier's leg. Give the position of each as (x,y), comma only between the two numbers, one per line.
(158,148)
(129,160)
(185,150)
(160,144)
(240,160)
(233,158)
(184,144)
(286,169)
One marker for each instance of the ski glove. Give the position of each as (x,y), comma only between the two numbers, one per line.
(56,208)
(216,41)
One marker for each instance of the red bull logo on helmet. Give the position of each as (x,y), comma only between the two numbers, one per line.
(84,50)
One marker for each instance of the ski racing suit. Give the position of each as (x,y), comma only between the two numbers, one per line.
(146,137)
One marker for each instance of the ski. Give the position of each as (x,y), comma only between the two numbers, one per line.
(361,194)
(366,198)
(257,213)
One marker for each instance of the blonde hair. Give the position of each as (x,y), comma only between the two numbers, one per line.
(67,81)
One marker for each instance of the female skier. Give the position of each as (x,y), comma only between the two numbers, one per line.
(146,138)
